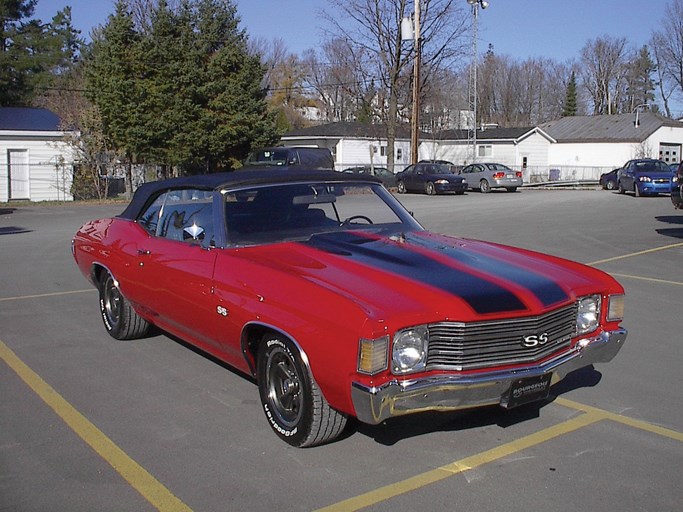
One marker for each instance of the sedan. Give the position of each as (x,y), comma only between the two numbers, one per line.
(645,176)
(384,174)
(608,180)
(322,288)
(487,176)
(430,178)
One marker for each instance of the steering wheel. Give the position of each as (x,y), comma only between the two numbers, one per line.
(356,217)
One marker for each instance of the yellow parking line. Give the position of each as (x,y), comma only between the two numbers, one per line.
(41,295)
(137,476)
(462,465)
(652,279)
(632,422)
(639,253)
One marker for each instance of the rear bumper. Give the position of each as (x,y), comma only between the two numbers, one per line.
(507,182)
(451,392)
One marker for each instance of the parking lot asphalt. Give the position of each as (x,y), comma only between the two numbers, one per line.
(88,423)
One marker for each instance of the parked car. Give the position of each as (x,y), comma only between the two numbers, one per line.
(486,176)
(290,156)
(327,292)
(645,176)
(384,174)
(608,180)
(677,188)
(430,178)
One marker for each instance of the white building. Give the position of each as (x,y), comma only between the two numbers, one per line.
(36,163)
(568,149)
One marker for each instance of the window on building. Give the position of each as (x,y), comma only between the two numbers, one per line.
(485,150)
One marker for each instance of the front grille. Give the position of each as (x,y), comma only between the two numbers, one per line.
(468,346)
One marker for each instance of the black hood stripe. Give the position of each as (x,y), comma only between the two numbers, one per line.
(546,290)
(482,295)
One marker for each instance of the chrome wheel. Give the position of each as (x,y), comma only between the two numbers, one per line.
(111,302)
(484,186)
(283,388)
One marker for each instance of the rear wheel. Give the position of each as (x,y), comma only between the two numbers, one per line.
(484,186)
(119,318)
(610,185)
(401,187)
(294,405)
(431,189)
(622,190)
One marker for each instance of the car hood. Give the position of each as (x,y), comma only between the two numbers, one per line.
(445,278)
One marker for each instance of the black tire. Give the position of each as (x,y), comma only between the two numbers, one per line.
(430,188)
(401,187)
(622,190)
(610,185)
(118,316)
(294,406)
(484,187)
(636,190)
(511,189)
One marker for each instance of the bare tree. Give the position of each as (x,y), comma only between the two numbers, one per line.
(667,45)
(372,27)
(604,69)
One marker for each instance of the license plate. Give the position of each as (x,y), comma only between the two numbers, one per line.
(527,390)
(511,175)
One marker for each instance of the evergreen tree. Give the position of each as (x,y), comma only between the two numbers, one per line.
(185,93)
(570,101)
(640,87)
(33,53)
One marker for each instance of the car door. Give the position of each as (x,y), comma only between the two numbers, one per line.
(626,177)
(175,264)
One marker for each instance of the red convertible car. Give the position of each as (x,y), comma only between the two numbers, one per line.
(331,295)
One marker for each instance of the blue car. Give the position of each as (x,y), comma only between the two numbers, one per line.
(430,178)
(645,176)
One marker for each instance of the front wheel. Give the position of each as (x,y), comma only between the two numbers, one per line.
(294,405)
(430,188)
(622,190)
(636,190)
(401,187)
(119,318)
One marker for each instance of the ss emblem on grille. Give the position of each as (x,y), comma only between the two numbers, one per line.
(534,340)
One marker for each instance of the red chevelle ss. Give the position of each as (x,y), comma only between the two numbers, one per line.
(327,291)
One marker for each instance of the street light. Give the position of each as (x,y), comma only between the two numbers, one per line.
(636,110)
(473,73)
(412,31)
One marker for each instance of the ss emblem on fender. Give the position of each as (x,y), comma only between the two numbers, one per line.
(534,340)
(222,311)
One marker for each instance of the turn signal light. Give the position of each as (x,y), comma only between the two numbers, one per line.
(372,355)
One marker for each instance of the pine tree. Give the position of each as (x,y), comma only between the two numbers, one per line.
(570,101)
(33,53)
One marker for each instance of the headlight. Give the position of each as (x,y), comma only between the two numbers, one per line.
(615,308)
(588,315)
(644,178)
(409,352)
(442,182)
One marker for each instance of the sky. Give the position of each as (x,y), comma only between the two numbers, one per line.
(556,29)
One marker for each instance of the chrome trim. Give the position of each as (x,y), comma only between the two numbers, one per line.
(446,392)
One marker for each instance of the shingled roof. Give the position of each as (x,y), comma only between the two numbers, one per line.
(28,119)
(350,129)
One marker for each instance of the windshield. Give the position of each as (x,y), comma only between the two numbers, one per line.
(276,213)
(656,166)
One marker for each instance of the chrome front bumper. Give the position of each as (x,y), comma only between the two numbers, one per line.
(450,392)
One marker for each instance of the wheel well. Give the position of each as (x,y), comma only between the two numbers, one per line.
(96,274)
(251,340)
